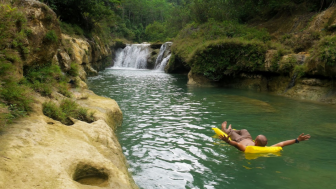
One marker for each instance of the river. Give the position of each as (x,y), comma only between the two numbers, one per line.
(167,138)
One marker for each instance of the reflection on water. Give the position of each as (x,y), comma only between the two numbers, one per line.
(167,136)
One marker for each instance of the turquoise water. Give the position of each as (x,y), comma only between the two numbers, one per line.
(168,141)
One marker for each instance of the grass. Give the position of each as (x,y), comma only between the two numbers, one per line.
(44,78)
(67,109)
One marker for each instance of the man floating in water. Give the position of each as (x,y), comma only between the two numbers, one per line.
(242,138)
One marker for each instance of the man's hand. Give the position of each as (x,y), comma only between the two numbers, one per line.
(303,137)
(233,143)
(224,138)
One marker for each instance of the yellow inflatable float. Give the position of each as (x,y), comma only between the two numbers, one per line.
(252,149)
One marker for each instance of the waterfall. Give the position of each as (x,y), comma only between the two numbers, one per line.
(132,56)
(161,62)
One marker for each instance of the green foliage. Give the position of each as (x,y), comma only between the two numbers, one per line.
(276,62)
(287,64)
(194,35)
(51,37)
(74,70)
(156,32)
(63,89)
(86,16)
(53,111)
(43,78)
(15,99)
(217,58)
(300,42)
(71,29)
(300,70)
(13,32)
(5,116)
(67,109)
(325,50)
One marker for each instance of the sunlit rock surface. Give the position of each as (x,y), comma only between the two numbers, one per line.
(38,152)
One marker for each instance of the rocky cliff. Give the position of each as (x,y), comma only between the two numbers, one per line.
(37,151)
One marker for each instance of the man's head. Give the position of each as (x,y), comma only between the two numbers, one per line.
(261,140)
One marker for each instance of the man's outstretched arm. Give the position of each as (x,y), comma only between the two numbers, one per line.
(233,143)
(302,137)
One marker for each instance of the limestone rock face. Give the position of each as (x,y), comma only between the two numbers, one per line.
(81,49)
(152,58)
(319,22)
(64,60)
(200,80)
(87,54)
(38,152)
(41,21)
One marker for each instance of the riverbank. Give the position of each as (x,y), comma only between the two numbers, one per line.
(64,135)
(40,152)
(290,54)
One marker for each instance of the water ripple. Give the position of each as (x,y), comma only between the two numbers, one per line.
(167,137)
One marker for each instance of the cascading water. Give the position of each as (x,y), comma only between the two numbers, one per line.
(132,56)
(161,62)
